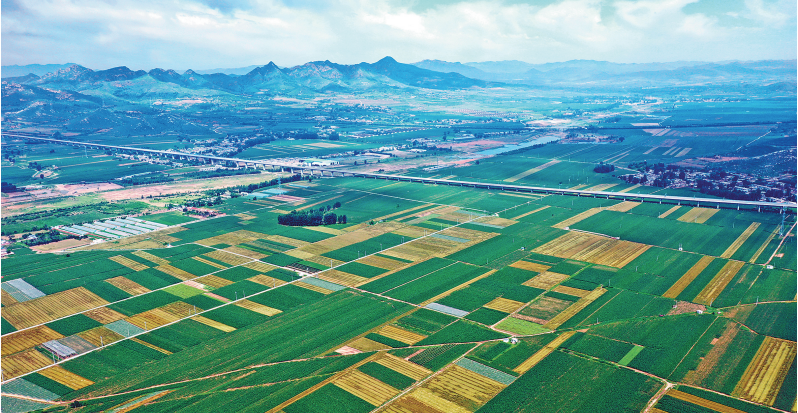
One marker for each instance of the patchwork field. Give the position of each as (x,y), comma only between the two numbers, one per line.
(428,300)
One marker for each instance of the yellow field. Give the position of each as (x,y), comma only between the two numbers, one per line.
(323,261)
(365,345)
(212,323)
(722,408)
(530,266)
(576,292)
(502,222)
(366,387)
(175,272)
(245,252)
(402,366)
(504,305)
(233,238)
(362,233)
(764,245)
(455,390)
(6,298)
(576,218)
(765,374)
(630,189)
(688,277)
(152,346)
(600,187)
(50,307)
(23,340)
(546,280)
(264,279)
(128,286)
(402,212)
(104,315)
(66,377)
(542,353)
(213,281)
(668,212)
(718,283)
(530,212)
(23,362)
(398,334)
(323,383)
(698,215)
(382,262)
(624,206)
(258,308)
(162,315)
(312,287)
(287,241)
(208,262)
(457,383)
(259,266)
(227,257)
(574,308)
(301,254)
(93,336)
(593,248)
(127,262)
(528,172)
(740,240)
(149,257)
(423,400)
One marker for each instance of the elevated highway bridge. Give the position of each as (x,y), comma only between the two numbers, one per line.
(327,171)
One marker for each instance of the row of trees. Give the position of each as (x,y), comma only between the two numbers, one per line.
(46,238)
(312,217)
(145,179)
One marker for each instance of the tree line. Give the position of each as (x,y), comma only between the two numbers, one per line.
(312,217)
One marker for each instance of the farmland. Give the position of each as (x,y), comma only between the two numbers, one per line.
(428,298)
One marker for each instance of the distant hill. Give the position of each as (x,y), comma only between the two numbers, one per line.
(238,71)
(123,84)
(608,74)
(38,70)
(319,76)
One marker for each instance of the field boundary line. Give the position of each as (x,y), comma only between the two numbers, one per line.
(693,346)
(738,243)
(459,287)
(787,234)
(140,295)
(764,246)
(376,356)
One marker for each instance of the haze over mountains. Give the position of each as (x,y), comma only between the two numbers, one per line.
(387,73)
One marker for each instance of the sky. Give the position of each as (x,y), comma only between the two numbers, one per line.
(209,34)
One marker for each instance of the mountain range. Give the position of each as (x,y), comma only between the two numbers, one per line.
(387,73)
(316,76)
(591,73)
(79,98)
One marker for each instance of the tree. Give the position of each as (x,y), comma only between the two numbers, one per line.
(330,219)
(342,219)
(603,168)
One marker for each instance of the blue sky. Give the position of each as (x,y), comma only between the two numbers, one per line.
(206,34)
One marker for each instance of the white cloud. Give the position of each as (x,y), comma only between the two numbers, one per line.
(185,34)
